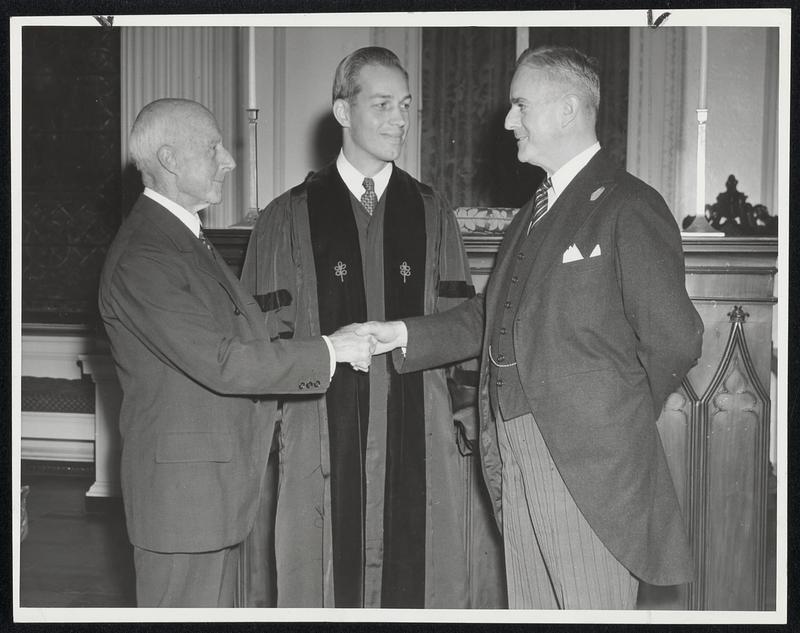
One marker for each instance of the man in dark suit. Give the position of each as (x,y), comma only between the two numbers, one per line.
(193,358)
(585,330)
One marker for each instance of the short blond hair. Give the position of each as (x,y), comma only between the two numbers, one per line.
(345,81)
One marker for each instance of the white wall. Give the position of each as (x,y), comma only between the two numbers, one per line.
(295,67)
(294,78)
(742,115)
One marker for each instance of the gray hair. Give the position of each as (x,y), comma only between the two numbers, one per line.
(157,124)
(345,81)
(567,65)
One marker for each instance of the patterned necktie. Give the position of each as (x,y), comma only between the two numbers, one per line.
(369,199)
(202,237)
(540,203)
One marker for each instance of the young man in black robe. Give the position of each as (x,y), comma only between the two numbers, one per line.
(379,503)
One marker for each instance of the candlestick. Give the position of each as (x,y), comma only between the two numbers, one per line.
(703,66)
(252,116)
(251,68)
(702,117)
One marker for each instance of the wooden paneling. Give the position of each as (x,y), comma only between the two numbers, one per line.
(725,462)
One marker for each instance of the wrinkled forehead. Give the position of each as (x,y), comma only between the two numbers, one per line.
(530,82)
(527,75)
(193,125)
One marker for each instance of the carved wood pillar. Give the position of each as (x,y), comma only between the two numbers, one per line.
(715,429)
(731,501)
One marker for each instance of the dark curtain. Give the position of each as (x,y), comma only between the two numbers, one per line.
(70,168)
(610,46)
(466,153)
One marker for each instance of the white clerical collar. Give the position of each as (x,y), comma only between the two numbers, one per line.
(190,219)
(568,171)
(354,179)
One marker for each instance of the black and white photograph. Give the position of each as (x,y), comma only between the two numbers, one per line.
(534,372)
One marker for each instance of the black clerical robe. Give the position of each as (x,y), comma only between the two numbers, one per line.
(396,499)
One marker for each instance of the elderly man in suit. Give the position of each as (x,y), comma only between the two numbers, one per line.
(193,358)
(585,330)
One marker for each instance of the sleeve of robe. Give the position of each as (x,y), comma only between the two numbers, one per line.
(270,271)
(455,287)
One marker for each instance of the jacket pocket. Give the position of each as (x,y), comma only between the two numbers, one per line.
(194,446)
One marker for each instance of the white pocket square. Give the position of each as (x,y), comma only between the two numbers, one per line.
(595,251)
(572,254)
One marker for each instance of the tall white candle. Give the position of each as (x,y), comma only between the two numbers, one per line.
(703,66)
(251,67)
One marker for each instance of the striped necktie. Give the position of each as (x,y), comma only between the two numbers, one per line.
(540,203)
(202,237)
(368,198)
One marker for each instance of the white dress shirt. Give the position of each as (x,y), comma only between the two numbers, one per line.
(568,171)
(354,179)
(190,219)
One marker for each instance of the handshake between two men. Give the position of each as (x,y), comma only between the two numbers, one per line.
(357,343)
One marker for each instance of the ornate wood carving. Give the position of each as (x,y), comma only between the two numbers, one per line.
(731,482)
(677,427)
(733,215)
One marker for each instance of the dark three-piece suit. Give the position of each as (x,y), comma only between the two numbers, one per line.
(593,307)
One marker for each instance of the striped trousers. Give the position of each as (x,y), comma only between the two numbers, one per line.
(554,560)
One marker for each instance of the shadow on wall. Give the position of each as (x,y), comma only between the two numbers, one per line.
(326,141)
(500,179)
(132,188)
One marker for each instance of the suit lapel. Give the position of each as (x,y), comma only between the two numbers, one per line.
(200,258)
(571,210)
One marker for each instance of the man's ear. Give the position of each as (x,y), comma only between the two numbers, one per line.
(166,156)
(570,107)
(341,111)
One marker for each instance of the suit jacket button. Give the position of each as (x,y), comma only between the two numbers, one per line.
(507,304)
(514,279)
(302,385)
(236,310)
(502,330)
(499,383)
(520,255)
(316,384)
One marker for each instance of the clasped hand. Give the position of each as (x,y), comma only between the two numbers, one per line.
(357,343)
